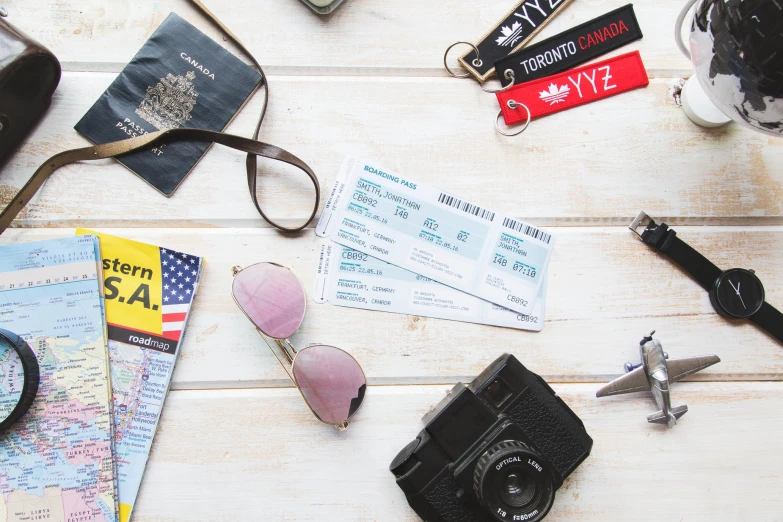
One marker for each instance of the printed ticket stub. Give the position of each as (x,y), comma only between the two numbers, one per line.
(347,277)
(436,235)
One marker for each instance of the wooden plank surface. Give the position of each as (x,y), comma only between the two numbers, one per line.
(606,291)
(397,37)
(598,164)
(237,443)
(258,455)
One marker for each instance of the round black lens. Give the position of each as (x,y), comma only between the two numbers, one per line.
(513,483)
(518,490)
(12,378)
(20,384)
(738,293)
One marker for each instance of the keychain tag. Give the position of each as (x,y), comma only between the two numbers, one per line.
(511,34)
(572,88)
(573,47)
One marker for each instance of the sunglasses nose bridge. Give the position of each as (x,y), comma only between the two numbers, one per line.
(287,360)
(287,349)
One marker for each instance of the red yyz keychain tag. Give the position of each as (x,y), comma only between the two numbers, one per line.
(571,88)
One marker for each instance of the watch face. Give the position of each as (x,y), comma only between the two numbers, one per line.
(739,293)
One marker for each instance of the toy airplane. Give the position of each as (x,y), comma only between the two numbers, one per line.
(654,374)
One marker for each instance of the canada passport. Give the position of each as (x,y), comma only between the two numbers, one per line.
(179,78)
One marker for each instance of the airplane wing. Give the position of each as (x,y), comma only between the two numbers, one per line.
(635,381)
(681,368)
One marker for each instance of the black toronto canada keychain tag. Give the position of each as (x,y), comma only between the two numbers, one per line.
(573,47)
(510,34)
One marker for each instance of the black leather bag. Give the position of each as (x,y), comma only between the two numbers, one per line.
(29,74)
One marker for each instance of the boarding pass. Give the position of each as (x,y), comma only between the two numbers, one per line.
(437,235)
(347,277)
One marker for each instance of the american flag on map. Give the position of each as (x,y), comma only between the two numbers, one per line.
(149,291)
(180,274)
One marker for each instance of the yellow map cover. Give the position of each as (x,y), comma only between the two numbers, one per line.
(149,291)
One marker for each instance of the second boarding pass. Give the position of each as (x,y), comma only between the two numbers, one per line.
(437,235)
(350,278)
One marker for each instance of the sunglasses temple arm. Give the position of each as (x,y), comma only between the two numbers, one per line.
(288,358)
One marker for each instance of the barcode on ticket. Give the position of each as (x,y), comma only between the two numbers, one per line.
(466,207)
(527,230)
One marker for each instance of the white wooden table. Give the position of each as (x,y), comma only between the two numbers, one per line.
(237,443)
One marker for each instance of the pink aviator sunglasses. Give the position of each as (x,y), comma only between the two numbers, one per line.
(330,380)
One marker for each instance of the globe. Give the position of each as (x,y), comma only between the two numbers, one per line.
(737,52)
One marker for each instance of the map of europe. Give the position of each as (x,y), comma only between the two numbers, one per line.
(56,462)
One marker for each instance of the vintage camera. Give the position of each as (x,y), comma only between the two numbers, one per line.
(497,449)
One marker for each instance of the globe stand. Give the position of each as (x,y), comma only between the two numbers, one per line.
(698,107)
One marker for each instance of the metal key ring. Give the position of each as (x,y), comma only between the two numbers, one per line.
(509,75)
(476,61)
(512,104)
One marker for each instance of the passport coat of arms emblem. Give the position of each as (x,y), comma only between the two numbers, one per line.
(168,104)
(163,88)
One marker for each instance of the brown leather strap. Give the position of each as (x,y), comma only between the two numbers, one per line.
(264,84)
(117,148)
(251,163)
(253,147)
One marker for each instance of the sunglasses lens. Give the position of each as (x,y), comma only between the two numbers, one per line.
(272,298)
(331,381)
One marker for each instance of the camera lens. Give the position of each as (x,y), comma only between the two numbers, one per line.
(518,490)
(513,483)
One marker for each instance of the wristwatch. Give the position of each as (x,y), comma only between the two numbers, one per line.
(735,293)
(31,377)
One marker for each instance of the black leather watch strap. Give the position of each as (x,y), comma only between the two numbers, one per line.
(770,319)
(666,241)
(31,377)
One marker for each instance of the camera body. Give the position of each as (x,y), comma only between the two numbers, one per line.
(497,449)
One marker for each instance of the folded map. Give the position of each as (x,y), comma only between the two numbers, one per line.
(56,462)
(149,292)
